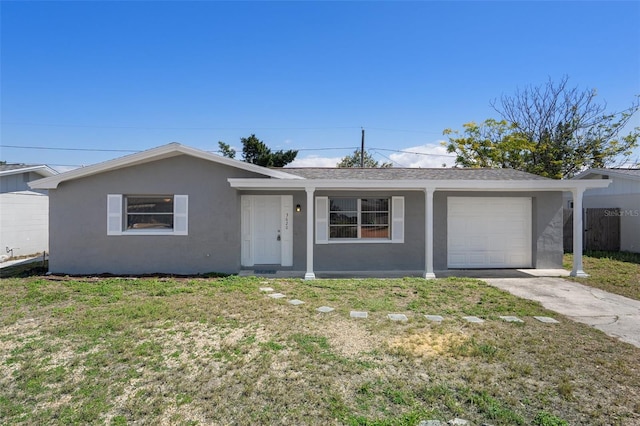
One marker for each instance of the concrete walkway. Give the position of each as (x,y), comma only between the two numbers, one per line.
(615,315)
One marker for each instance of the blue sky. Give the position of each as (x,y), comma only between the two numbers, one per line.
(300,75)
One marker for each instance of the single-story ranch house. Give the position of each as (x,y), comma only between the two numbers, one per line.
(176,209)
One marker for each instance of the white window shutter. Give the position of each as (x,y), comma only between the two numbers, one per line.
(322,220)
(397,222)
(114,214)
(180,214)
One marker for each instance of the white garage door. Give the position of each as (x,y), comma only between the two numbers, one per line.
(489,232)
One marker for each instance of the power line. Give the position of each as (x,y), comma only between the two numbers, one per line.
(413,152)
(94,126)
(68,149)
(393,161)
(87,126)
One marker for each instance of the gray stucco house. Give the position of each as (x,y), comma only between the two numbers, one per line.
(176,209)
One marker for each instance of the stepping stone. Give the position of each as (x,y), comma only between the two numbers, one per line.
(430,423)
(324,309)
(398,317)
(266,289)
(264,282)
(510,318)
(473,319)
(277,295)
(547,320)
(296,302)
(458,422)
(358,314)
(435,318)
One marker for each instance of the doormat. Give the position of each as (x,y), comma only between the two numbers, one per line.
(265,271)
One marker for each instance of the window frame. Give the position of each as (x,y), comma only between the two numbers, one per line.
(359,225)
(117,215)
(127,213)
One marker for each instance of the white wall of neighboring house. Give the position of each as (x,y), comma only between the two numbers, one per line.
(24,221)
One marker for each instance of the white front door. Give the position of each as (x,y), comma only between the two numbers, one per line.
(267,230)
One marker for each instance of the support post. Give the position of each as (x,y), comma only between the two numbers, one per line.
(310,275)
(428,240)
(578,229)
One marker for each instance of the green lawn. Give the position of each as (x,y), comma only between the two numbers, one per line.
(184,351)
(616,272)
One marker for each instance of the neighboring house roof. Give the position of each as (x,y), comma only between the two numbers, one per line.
(413,174)
(165,151)
(14,169)
(633,174)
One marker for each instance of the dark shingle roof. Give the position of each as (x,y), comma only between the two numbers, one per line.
(394,173)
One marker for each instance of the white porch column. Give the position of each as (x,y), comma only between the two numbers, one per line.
(310,275)
(428,237)
(578,228)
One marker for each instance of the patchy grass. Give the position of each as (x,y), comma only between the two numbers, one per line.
(615,272)
(123,351)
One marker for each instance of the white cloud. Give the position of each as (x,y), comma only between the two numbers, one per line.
(423,156)
(315,161)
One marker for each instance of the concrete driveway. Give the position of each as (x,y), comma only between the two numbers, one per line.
(615,315)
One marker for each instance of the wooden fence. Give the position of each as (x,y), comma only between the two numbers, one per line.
(601,229)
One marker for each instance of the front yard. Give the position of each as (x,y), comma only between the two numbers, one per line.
(219,351)
(615,272)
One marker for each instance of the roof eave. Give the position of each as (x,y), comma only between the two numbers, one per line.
(43,170)
(452,184)
(161,152)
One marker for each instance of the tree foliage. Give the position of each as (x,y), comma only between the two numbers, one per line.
(353,160)
(257,152)
(551,130)
(226,150)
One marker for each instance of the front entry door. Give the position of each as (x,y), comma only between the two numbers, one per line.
(267,230)
(267,235)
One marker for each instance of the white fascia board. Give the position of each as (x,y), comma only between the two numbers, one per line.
(454,185)
(43,170)
(161,152)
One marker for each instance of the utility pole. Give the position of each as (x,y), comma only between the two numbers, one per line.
(362,150)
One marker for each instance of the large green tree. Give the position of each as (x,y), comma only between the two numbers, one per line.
(551,130)
(353,160)
(257,152)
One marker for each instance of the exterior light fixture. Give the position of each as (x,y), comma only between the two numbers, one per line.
(298,208)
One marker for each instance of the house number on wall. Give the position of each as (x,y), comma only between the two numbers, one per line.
(286,221)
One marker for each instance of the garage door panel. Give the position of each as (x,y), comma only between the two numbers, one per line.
(478,243)
(489,232)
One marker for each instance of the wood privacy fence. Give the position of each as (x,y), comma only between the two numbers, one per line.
(601,229)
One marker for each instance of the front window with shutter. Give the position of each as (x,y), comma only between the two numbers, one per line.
(359,218)
(147,214)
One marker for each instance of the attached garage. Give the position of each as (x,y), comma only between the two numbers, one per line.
(489,232)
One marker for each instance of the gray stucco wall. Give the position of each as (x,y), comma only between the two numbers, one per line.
(379,256)
(78,230)
(546,221)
